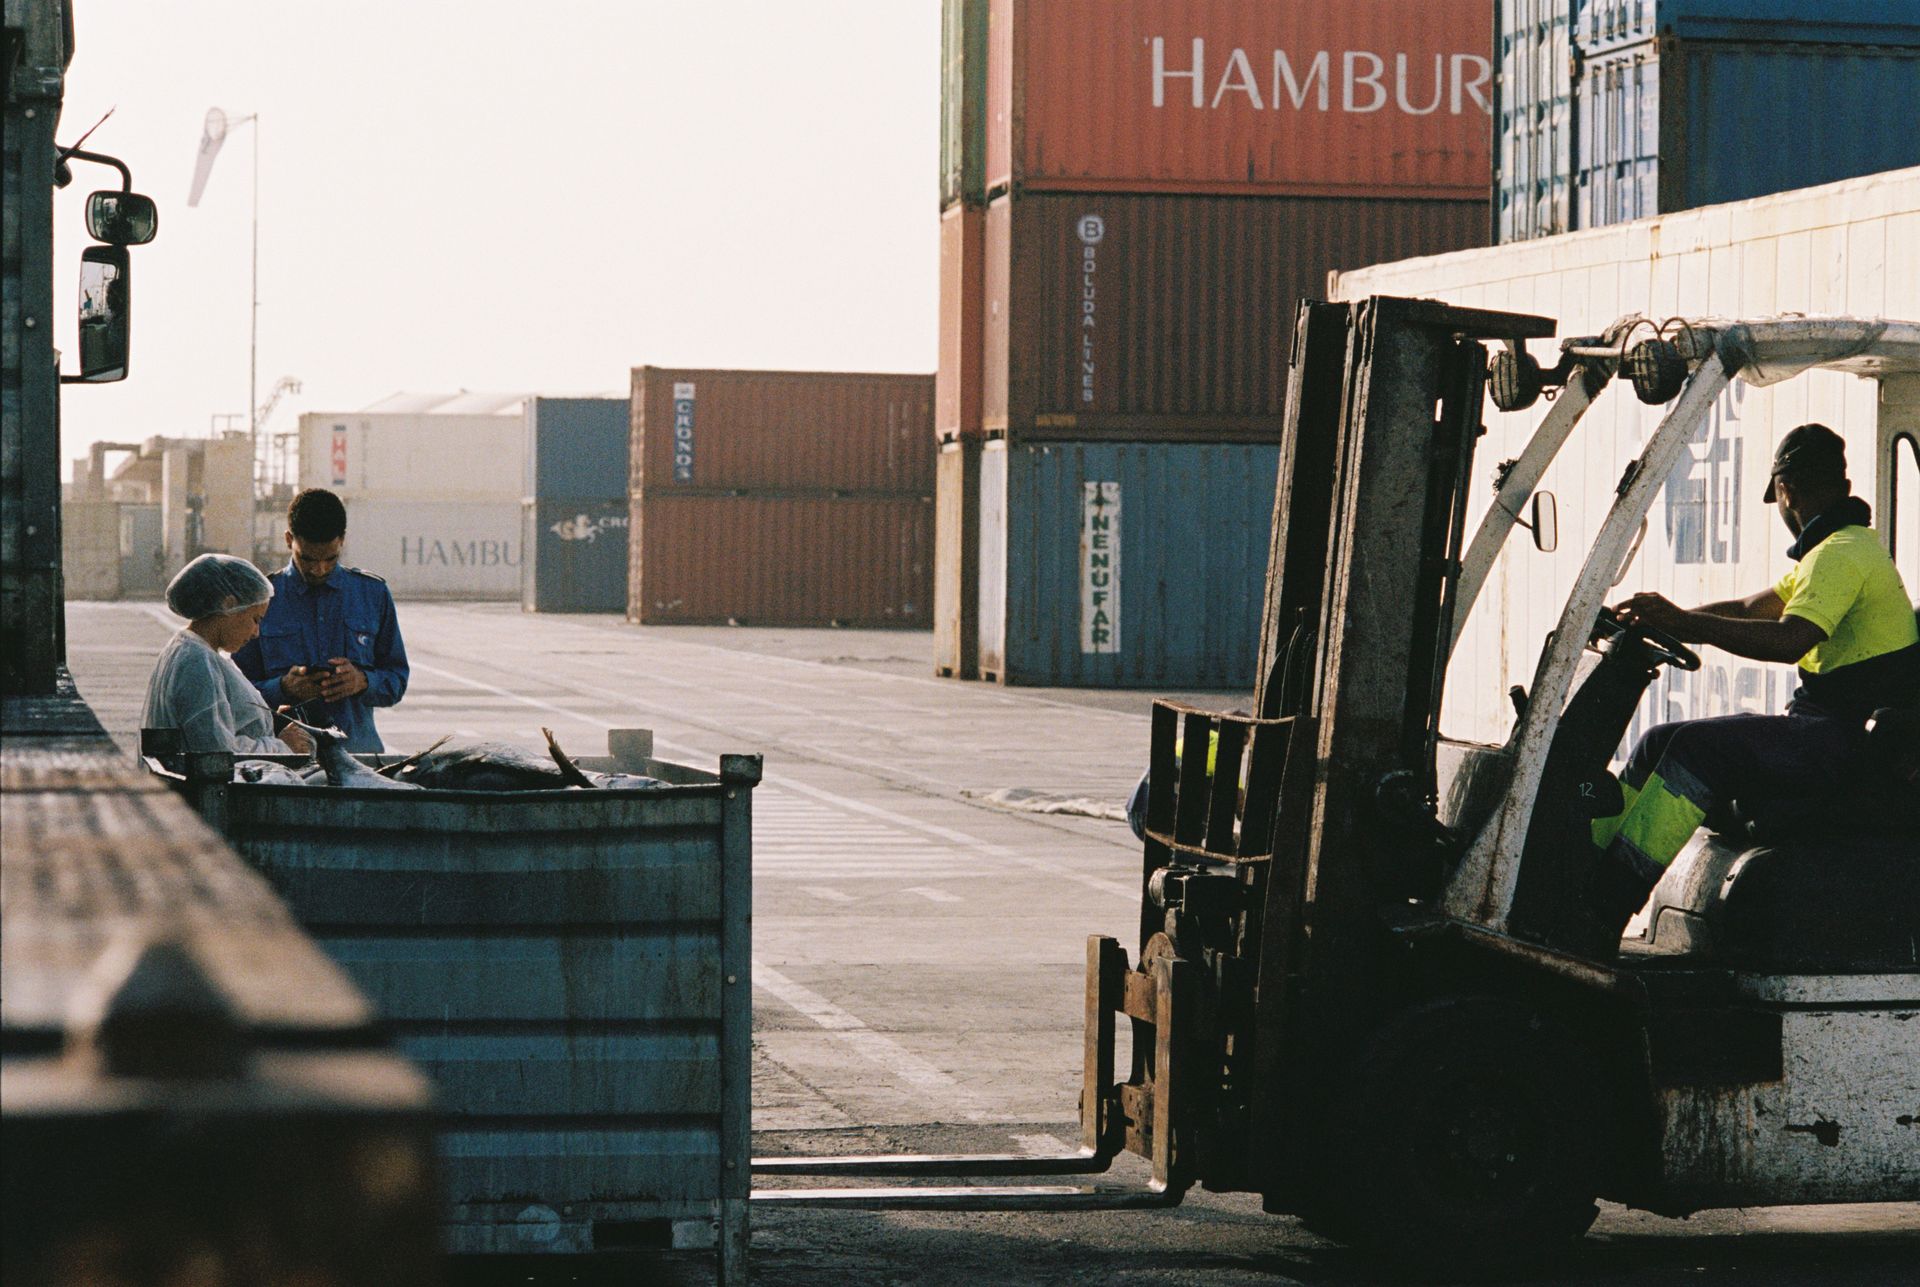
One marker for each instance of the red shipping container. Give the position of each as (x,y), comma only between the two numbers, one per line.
(781,561)
(1169,317)
(963,284)
(796,432)
(1388,97)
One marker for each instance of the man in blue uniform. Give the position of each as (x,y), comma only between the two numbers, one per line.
(330,634)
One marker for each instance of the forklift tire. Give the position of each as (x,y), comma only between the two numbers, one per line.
(1467,1141)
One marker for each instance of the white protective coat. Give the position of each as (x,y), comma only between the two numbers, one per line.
(198,690)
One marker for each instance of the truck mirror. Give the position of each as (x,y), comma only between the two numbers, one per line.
(122,218)
(106,316)
(1546,522)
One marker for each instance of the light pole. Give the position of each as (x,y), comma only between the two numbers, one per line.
(212,135)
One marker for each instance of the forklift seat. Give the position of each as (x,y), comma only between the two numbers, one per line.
(1835,904)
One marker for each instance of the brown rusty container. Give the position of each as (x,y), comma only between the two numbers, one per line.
(770,560)
(1386,97)
(963,284)
(956,561)
(700,432)
(1155,317)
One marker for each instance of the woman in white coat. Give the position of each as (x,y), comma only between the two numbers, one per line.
(195,687)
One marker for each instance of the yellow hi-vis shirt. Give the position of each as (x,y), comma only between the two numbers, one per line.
(1849,587)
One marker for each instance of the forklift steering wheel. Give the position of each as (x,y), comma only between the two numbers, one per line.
(1663,646)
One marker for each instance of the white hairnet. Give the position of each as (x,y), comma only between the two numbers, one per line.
(214,585)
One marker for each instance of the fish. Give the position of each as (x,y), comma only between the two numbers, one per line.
(342,770)
(267,773)
(568,769)
(483,766)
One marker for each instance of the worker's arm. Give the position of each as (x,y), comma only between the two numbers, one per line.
(1762,632)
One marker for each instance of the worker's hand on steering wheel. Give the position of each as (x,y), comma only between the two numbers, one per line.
(1645,617)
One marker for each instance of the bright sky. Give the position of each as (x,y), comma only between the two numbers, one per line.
(493,196)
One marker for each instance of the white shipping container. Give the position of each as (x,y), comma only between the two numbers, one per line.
(437,549)
(1848,248)
(442,455)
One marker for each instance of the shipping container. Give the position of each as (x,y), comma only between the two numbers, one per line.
(792,432)
(963,102)
(1607,110)
(1850,249)
(1136,317)
(435,549)
(1670,125)
(577,446)
(781,561)
(1604,23)
(957,384)
(1532,118)
(956,561)
(419,451)
(1130,565)
(1365,98)
(90,549)
(575,554)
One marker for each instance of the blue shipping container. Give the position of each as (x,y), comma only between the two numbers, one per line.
(573,554)
(1610,110)
(1123,565)
(1602,23)
(578,446)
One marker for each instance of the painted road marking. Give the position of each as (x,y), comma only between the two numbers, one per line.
(851,1031)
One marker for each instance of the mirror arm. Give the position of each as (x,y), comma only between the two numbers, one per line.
(98,158)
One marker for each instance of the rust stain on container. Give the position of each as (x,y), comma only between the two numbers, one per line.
(1164,317)
(781,560)
(702,431)
(1371,96)
(963,284)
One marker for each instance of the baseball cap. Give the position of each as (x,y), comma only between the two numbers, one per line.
(1808,446)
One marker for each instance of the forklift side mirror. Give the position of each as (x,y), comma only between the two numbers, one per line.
(1546,522)
(106,290)
(122,218)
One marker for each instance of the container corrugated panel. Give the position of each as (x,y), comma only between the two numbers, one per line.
(416,455)
(781,561)
(570,970)
(1155,316)
(1669,124)
(957,383)
(963,102)
(1849,22)
(1845,249)
(956,561)
(795,432)
(575,554)
(1533,117)
(577,446)
(1123,565)
(1227,96)
(438,549)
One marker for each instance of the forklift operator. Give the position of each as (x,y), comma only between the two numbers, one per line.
(1841,612)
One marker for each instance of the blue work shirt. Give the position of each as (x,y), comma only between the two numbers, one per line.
(349,614)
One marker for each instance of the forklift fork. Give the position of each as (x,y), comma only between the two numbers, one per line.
(1146,1114)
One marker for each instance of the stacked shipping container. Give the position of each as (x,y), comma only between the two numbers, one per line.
(1611,110)
(574,523)
(780,498)
(433,485)
(1133,199)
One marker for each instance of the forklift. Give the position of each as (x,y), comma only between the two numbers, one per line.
(1368,985)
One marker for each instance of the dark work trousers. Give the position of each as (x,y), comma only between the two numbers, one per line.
(1682,772)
